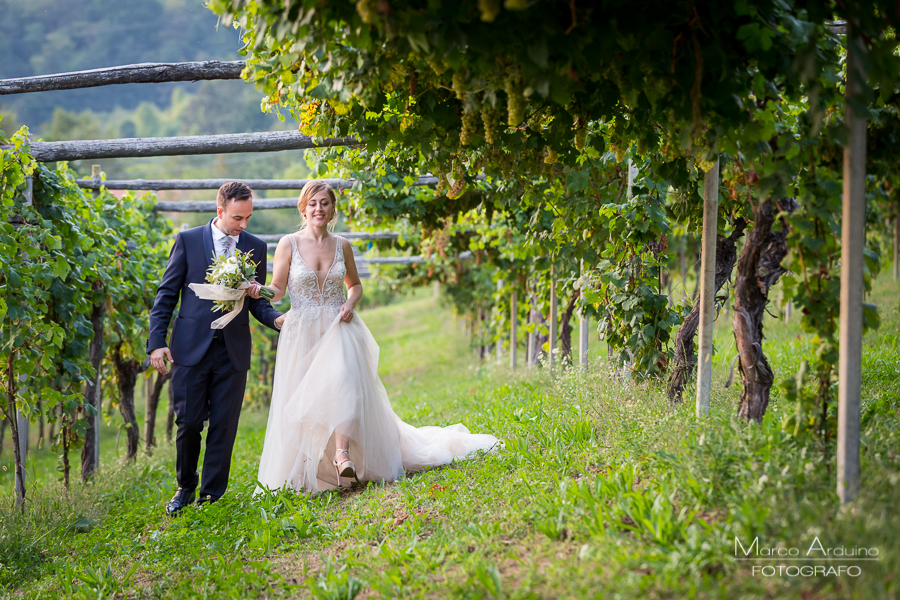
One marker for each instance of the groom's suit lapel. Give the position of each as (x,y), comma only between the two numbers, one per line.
(242,243)
(208,243)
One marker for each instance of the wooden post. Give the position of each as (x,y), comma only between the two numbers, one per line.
(551,341)
(529,350)
(29,191)
(632,171)
(896,248)
(513,322)
(853,237)
(500,333)
(583,333)
(13,422)
(21,421)
(90,454)
(584,338)
(480,333)
(707,288)
(97,176)
(22,426)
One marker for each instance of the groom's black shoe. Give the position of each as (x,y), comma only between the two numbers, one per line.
(205,500)
(181,499)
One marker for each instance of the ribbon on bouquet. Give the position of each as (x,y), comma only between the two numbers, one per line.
(211,291)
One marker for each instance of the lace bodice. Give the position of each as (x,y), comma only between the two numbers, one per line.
(309,298)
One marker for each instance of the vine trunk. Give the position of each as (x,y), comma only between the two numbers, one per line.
(14,431)
(152,405)
(89,457)
(565,329)
(759,268)
(127,371)
(685,353)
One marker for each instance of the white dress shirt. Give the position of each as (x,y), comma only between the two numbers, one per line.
(218,238)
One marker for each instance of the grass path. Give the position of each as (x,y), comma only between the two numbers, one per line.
(602,490)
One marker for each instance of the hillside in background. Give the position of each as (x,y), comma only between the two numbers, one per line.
(51,36)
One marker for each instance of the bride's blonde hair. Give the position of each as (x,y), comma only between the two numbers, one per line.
(310,189)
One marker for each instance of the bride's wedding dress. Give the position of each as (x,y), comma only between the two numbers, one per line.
(326,380)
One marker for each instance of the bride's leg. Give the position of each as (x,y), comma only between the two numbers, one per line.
(342,463)
(341,442)
(342,434)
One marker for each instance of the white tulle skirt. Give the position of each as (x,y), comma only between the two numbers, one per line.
(326,380)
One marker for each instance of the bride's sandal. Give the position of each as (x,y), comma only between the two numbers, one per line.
(344,467)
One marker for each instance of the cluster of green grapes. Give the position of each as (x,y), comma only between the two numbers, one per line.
(619,151)
(641,146)
(489,10)
(516,101)
(459,84)
(490,119)
(469,125)
(442,181)
(581,136)
(506,164)
(437,66)
(459,185)
(550,155)
(366,10)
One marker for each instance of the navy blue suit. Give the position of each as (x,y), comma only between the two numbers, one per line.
(210,367)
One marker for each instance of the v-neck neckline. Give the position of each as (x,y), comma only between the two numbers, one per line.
(320,286)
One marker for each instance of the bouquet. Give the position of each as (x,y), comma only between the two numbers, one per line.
(227,281)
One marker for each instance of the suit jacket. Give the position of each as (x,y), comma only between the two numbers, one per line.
(191,256)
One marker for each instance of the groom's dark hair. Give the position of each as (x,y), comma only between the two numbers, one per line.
(231,191)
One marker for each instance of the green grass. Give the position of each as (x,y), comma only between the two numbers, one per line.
(603,490)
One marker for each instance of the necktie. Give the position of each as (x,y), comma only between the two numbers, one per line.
(225,246)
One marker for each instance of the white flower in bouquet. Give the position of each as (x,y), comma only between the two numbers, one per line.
(232,272)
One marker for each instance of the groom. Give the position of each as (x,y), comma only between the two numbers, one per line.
(209,370)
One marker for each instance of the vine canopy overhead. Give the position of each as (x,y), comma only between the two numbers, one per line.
(673,75)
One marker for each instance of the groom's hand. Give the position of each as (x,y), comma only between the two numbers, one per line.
(157,359)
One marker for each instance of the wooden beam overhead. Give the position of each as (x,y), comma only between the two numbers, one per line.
(270,141)
(214,184)
(139,73)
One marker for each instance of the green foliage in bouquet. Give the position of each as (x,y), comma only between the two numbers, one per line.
(231,272)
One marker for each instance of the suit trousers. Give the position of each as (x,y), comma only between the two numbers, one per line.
(212,389)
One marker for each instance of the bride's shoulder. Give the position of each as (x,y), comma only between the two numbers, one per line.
(285,245)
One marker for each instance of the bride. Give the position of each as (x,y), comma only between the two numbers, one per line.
(330,419)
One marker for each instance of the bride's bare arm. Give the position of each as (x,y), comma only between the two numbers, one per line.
(351,280)
(281,266)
